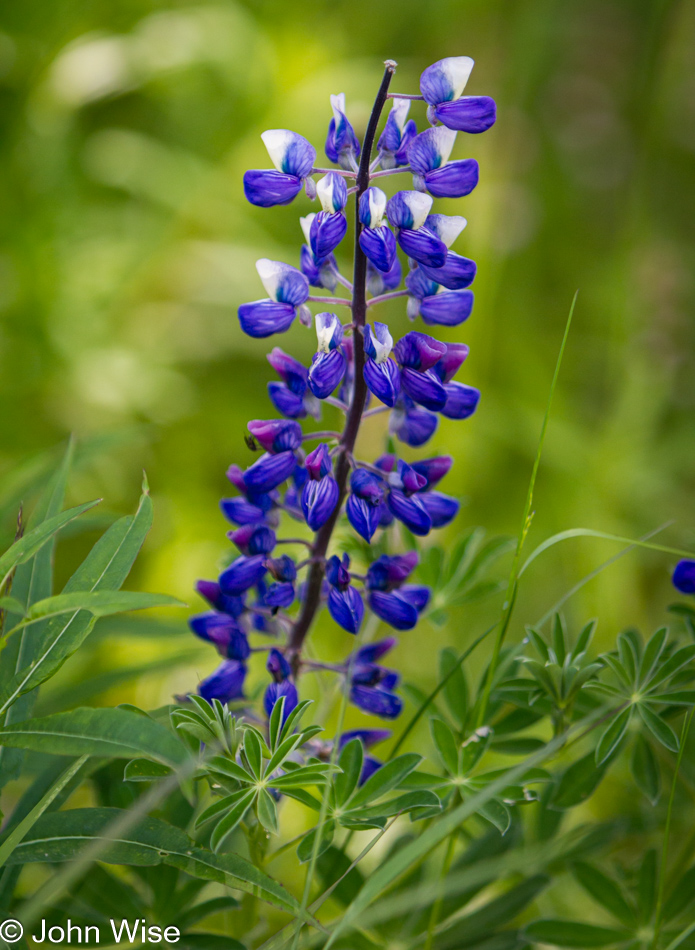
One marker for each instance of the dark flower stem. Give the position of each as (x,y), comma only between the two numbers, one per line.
(314,580)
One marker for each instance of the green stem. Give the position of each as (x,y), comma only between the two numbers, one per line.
(508,604)
(437,906)
(667,829)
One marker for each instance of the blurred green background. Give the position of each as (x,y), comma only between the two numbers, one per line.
(127,246)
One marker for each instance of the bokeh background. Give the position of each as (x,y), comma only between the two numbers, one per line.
(127,246)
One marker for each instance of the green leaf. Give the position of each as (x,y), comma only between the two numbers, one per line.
(578,782)
(275,723)
(584,640)
(394,806)
(646,886)
(99,603)
(605,892)
(144,770)
(681,896)
(285,748)
(192,915)
(252,751)
(306,845)
(384,779)
(350,761)
(498,814)
(61,836)
(477,928)
(675,663)
(524,745)
(652,652)
(105,568)
(267,811)
(232,819)
(659,729)
(628,657)
(456,687)
(559,639)
(223,765)
(571,933)
(104,732)
(679,697)
(219,807)
(539,643)
(333,865)
(316,774)
(27,546)
(446,745)
(610,739)
(208,941)
(645,769)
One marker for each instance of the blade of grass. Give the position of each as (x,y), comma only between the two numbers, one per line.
(514,574)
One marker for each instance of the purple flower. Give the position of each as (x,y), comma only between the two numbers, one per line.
(344,602)
(397,135)
(417,353)
(273,693)
(368,737)
(376,240)
(320,493)
(269,471)
(364,503)
(291,397)
(329,364)
(253,539)
(381,374)
(442,509)
(223,631)
(411,511)
(410,424)
(342,145)
(433,469)
(282,568)
(293,158)
(276,435)
(241,511)
(428,155)
(380,283)
(223,603)
(684,576)
(389,572)
(242,574)
(461,401)
(326,233)
(442,84)
(287,289)
(378,702)
(448,366)
(225,684)
(277,666)
(407,211)
(279,595)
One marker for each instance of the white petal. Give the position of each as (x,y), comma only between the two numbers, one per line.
(270,273)
(338,105)
(306,226)
(449,227)
(399,111)
(457,70)
(325,330)
(324,190)
(277,141)
(419,204)
(444,139)
(377,206)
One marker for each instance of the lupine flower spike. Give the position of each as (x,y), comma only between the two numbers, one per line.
(263,591)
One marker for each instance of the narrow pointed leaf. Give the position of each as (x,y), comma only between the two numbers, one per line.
(605,892)
(232,819)
(386,778)
(573,933)
(611,737)
(645,769)
(350,761)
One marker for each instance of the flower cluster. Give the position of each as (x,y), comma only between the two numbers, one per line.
(359,368)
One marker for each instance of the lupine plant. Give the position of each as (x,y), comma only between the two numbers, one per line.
(237,783)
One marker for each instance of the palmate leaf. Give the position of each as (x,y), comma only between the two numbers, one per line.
(571,933)
(103,732)
(611,737)
(658,728)
(105,568)
(224,828)
(645,769)
(385,779)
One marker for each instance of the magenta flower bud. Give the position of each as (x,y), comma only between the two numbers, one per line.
(448,366)
(318,463)
(434,469)
(419,351)
(276,435)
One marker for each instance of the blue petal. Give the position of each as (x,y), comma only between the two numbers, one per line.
(456,272)
(263,318)
(318,463)
(442,509)
(346,608)
(412,425)
(684,576)
(241,511)
(268,188)
(379,283)
(253,539)
(469,114)
(368,737)
(276,435)
(430,149)
(225,684)
(424,388)
(280,594)
(327,370)
(461,401)
(379,245)
(367,485)
(423,246)
(453,180)
(376,701)
(290,152)
(269,471)
(446,79)
(327,231)
(286,402)
(383,379)
(409,133)
(408,209)
(447,309)
(419,351)
(420,284)
(319,499)
(416,594)
(433,469)
(277,666)
(394,610)
(273,694)
(210,590)
(363,517)
(242,574)
(223,631)
(410,511)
